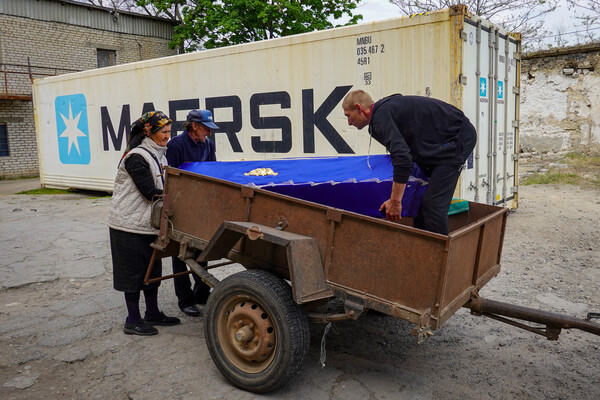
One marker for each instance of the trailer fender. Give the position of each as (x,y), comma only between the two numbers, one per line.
(303,258)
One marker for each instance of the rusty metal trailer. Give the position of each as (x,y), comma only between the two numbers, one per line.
(299,255)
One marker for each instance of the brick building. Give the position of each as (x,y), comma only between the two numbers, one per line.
(40,38)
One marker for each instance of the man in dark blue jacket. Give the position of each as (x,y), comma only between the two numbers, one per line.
(192,145)
(435,135)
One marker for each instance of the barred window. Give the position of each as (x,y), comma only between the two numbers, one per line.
(106,58)
(3,141)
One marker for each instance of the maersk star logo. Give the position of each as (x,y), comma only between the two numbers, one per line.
(482,87)
(500,90)
(72,129)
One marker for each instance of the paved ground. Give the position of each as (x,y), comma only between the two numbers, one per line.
(61,322)
(10,186)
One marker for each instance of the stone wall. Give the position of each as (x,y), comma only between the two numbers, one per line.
(560,100)
(52,48)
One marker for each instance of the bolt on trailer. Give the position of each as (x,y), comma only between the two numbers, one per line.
(257,324)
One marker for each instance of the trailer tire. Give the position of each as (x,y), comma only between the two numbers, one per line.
(256,334)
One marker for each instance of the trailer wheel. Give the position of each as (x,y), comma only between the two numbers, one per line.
(256,334)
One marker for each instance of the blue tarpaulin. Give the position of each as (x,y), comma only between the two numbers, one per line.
(341,182)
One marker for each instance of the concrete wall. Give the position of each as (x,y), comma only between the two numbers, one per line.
(560,103)
(53,48)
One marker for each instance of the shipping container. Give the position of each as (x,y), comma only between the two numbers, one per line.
(282,98)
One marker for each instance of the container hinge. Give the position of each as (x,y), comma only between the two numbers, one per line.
(517,56)
(464,36)
(515,189)
(515,123)
(462,79)
(516,89)
(515,157)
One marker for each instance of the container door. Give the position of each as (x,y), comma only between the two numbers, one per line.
(490,100)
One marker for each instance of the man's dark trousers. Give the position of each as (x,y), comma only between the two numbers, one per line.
(433,213)
(185,295)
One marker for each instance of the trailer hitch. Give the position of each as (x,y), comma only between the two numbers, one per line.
(592,315)
(554,322)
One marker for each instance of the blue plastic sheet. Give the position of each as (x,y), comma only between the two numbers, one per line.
(347,183)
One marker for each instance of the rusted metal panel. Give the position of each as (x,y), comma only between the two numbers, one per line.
(371,263)
(195,202)
(388,261)
(460,266)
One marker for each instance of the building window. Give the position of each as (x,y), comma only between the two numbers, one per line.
(3,141)
(106,58)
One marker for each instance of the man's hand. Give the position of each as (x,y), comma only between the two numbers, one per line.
(393,206)
(393,209)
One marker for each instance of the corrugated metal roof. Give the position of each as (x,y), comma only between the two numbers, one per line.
(90,16)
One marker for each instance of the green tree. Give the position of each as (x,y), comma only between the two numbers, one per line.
(522,16)
(162,8)
(209,24)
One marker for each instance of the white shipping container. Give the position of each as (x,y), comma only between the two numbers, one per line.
(282,98)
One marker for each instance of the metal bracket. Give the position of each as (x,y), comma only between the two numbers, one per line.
(333,214)
(165,212)
(184,252)
(247,192)
(354,306)
(592,315)
(282,223)
(422,333)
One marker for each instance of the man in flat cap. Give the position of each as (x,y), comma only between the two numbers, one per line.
(192,145)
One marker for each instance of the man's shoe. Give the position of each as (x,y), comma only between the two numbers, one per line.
(141,328)
(162,319)
(192,311)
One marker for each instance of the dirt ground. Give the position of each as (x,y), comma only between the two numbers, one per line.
(62,337)
(550,261)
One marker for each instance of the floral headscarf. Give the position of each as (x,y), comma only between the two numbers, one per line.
(149,123)
(146,125)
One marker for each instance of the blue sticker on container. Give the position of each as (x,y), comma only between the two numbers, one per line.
(482,87)
(72,129)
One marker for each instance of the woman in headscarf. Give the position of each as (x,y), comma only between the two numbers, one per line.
(139,180)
